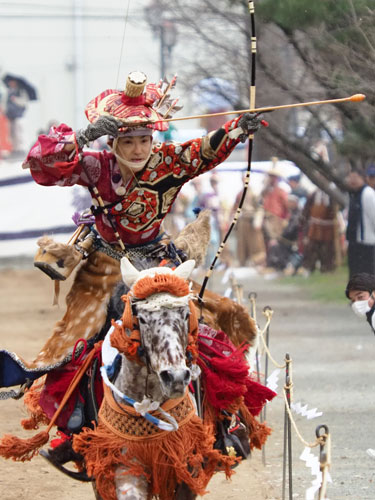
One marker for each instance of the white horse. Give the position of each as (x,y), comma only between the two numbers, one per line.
(149,441)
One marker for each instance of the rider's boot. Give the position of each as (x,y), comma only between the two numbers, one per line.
(63,454)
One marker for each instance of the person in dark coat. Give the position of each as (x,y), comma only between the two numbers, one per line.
(360,232)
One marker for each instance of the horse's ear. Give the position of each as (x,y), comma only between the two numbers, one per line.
(129,273)
(184,270)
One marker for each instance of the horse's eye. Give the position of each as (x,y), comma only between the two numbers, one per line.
(141,320)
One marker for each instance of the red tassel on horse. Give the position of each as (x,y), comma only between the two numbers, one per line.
(21,450)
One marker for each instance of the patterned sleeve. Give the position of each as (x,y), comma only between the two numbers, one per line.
(51,165)
(197,156)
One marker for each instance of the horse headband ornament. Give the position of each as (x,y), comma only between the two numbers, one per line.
(139,105)
(150,287)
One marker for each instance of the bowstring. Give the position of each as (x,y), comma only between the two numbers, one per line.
(122,43)
(253,45)
(126,17)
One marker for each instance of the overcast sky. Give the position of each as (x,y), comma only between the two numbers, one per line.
(71,58)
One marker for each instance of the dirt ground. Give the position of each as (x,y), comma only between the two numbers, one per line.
(332,354)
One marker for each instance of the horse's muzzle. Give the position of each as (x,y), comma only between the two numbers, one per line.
(175,381)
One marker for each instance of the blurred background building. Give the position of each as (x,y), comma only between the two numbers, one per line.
(73,50)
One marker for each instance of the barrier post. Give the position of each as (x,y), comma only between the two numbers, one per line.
(324,457)
(264,409)
(322,440)
(287,452)
(267,308)
(252,296)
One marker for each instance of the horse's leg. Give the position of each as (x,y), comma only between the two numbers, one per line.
(130,487)
(183,492)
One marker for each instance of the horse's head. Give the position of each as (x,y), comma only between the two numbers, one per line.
(160,302)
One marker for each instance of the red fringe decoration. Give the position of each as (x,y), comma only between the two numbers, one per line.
(37,415)
(26,449)
(258,432)
(228,386)
(227,383)
(127,344)
(224,378)
(186,455)
(257,396)
(21,450)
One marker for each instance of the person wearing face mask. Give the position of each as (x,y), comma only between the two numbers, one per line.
(360,290)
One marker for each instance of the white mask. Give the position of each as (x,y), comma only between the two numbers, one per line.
(360,308)
(133,166)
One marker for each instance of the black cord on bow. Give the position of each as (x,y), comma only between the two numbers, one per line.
(253,47)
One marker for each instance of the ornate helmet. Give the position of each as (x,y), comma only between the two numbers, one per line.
(139,105)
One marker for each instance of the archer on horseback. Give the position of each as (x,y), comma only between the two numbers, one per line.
(133,187)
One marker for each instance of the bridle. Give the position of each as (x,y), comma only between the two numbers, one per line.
(127,338)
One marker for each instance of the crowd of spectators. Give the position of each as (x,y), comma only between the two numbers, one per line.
(286,228)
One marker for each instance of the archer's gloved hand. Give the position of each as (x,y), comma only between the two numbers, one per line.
(250,123)
(104,125)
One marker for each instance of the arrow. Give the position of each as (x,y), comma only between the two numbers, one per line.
(267,109)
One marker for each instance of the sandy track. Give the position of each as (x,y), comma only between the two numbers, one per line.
(27,317)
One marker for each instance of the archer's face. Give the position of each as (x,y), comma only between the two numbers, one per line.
(134,149)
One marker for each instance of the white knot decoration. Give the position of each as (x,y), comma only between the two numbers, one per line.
(145,406)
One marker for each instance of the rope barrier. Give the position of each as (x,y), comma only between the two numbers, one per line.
(319,467)
(268,313)
(252,298)
(317,441)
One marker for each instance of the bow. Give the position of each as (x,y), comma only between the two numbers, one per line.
(253,46)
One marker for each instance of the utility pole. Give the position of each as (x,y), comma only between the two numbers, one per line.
(165,29)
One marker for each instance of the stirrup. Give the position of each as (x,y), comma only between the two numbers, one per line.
(79,476)
(50,269)
(55,266)
(58,260)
